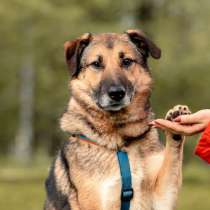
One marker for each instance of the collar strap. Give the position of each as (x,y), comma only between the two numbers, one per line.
(85,138)
(127,139)
(134,138)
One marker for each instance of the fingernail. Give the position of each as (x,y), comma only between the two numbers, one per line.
(178,119)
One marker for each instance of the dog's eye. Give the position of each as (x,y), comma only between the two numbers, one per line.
(127,62)
(96,64)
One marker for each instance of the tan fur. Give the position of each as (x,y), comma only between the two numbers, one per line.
(94,177)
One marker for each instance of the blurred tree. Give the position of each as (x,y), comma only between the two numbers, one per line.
(181,76)
(23,141)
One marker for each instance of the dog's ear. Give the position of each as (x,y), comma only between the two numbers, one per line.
(144,44)
(73,51)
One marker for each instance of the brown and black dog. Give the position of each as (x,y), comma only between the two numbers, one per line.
(110,90)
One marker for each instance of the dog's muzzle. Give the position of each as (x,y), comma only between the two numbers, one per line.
(114,98)
(116,93)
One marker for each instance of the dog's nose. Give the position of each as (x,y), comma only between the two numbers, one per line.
(116,93)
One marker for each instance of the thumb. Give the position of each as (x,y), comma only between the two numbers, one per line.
(187,119)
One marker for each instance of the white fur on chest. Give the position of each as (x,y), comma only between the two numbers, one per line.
(110,188)
(110,191)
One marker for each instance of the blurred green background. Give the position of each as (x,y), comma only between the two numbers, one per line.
(33,82)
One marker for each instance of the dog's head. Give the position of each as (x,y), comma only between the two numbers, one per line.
(110,69)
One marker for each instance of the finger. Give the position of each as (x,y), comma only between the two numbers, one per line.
(154,124)
(187,119)
(159,127)
(151,123)
(193,129)
(179,128)
(167,123)
(167,129)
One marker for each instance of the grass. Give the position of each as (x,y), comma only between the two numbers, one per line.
(195,192)
(22,188)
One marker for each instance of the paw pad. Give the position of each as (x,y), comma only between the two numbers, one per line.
(177,111)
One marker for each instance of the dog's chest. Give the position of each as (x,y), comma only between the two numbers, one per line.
(103,180)
(110,188)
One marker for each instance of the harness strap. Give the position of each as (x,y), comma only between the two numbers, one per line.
(126,190)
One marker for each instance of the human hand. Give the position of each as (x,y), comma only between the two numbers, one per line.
(185,124)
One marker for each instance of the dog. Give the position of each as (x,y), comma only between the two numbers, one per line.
(110,90)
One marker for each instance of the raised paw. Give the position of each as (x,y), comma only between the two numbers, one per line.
(177,111)
(174,113)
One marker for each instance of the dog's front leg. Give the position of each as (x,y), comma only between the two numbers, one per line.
(73,200)
(61,193)
(169,177)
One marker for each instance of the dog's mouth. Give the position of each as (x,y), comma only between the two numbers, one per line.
(108,105)
(114,107)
